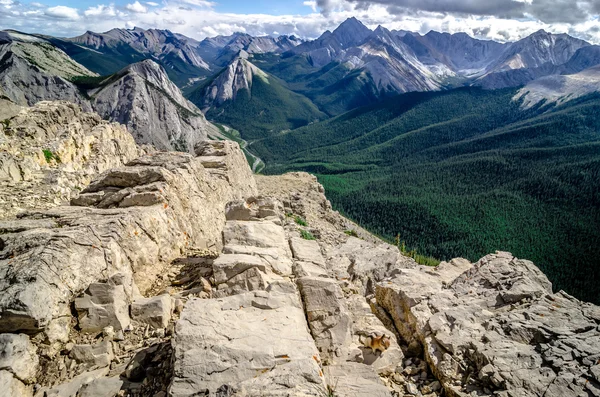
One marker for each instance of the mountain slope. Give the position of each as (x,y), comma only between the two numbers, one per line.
(253,102)
(121,47)
(464,172)
(560,89)
(535,56)
(154,110)
(32,70)
(360,67)
(331,45)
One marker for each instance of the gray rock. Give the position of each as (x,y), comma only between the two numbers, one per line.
(18,356)
(101,387)
(84,143)
(411,389)
(155,311)
(105,305)
(307,251)
(71,388)
(354,380)
(100,354)
(327,315)
(13,387)
(53,265)
(257,342)
(499,318)
(263,234)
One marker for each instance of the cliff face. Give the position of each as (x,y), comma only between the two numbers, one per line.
(183,273)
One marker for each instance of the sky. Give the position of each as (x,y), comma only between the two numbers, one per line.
(500,20)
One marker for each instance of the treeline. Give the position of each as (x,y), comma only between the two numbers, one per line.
(465,173)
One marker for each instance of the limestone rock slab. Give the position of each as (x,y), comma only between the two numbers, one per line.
(328,317)
(255,343)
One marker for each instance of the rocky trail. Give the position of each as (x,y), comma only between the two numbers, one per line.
(176,274)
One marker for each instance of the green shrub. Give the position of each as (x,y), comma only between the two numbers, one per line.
(301,221)
(6,123)
(351,233)
(49,156)
(305,234)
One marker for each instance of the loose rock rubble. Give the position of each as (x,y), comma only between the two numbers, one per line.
(185,275)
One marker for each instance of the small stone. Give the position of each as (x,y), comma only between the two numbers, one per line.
(178,305)
(411,388)
(108,332)
(398,378)
(435,385)
(119,336)
(155,311)
(100,354)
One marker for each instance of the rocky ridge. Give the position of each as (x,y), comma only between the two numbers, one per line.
(183,274)
(556,90)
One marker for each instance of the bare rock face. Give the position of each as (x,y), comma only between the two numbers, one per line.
(52,150)
(152,107)
(48,258)
(495,326)
(262,347)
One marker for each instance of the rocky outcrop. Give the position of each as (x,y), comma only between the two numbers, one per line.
(495,327)
(555,90)
(142,97)
(49,152)
(134,219)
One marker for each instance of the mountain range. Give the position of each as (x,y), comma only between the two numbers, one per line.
(343,69)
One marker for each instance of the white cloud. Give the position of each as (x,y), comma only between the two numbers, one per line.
(312,4)
(199,3)
(198,19)
(152,4)
(62,12)
(137,7)
(101,9)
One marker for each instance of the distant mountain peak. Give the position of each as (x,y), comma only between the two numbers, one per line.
(351,32)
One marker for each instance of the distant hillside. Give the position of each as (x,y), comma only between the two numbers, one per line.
(464,172)
(253,102)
